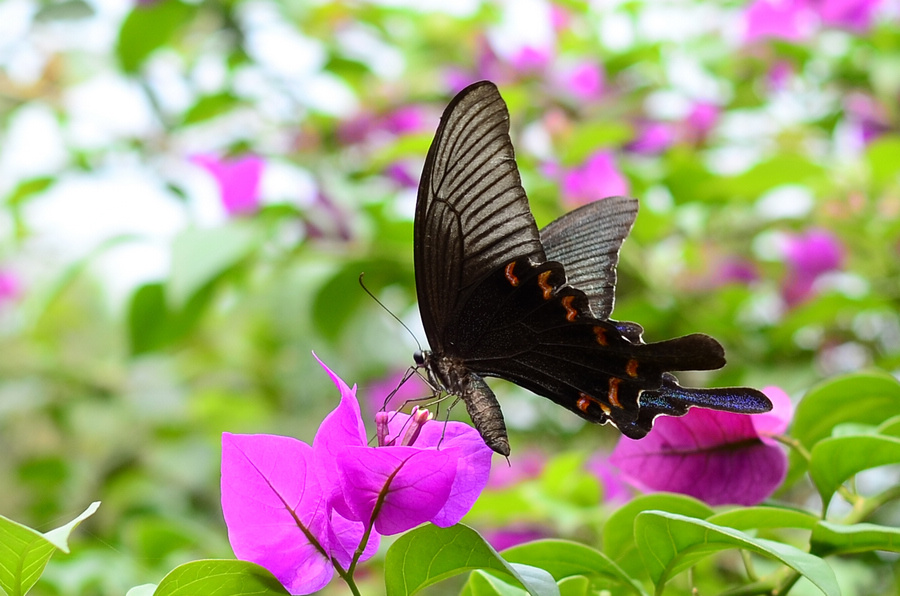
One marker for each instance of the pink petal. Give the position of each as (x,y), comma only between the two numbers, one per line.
(341,428)
(776,421)
(791,20)
(473,466)
(345,537)
(400,487)
(596,179)
(269,486)
(713,456)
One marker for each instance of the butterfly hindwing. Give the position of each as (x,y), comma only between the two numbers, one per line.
(587,242)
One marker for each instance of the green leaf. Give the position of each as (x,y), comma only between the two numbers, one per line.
(214,576)
(670,543)
(28,188)
(890,427)
(837,539)
(836,459)
(882,157)
(146,28)
(201,255)
(481,583)
(339,298)
(867,398)
(780,170)
(25,552)
(210,106)
(430,554)
(142,590)
(148,327)
(618,532)
(756,518)
(564,559)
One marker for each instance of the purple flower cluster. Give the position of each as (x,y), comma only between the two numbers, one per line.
(305,512)
(797,20)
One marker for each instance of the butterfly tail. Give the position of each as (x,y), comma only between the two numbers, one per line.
(671,399)
(691,352)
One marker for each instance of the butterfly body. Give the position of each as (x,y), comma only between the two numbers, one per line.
(500,298)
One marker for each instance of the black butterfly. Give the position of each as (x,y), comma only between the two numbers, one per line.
(498,298)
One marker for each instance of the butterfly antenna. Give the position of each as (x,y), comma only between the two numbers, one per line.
(387,310)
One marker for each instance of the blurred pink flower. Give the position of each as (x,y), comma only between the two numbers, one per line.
(405,120)
(531,59)
(736,270)
(378,391)
(514,534)
(399,173)
(700,121)
(615,489)
(522,467)
(717,457)
(867,117)
(653,138)
(855,15)
(808,256)
(238,180)
(780,75)
(790,20)
(584,81)
(597,178)
(10,286)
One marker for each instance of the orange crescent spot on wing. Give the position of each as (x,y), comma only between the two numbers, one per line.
(614,392)
(510,276)
(547,288)
(631,368)
(600,334)
(571,313)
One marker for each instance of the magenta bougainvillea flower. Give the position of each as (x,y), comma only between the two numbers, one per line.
(305,511)
(808,256)
(717,457)
(597,178)
(790,20)
(10,286)
(615,490)
(652,138)
(583,80)
(855,15)
(238,180)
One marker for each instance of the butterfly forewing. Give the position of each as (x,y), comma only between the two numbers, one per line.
(472,212)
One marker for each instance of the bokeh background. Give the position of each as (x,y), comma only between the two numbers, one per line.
(190,190)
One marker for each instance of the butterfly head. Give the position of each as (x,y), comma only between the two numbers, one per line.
(420,356)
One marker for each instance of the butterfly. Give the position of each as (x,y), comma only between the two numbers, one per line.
(500,298)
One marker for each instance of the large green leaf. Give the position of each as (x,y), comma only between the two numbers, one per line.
(429,554)
(836,539)
(219,576)
(618,532)
(867,398)
(836,459)
(670,543)
(25,552)
(756,518)
(563,559)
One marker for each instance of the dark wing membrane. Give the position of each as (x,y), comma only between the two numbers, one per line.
(539,333)
(587,242)
(472,215)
